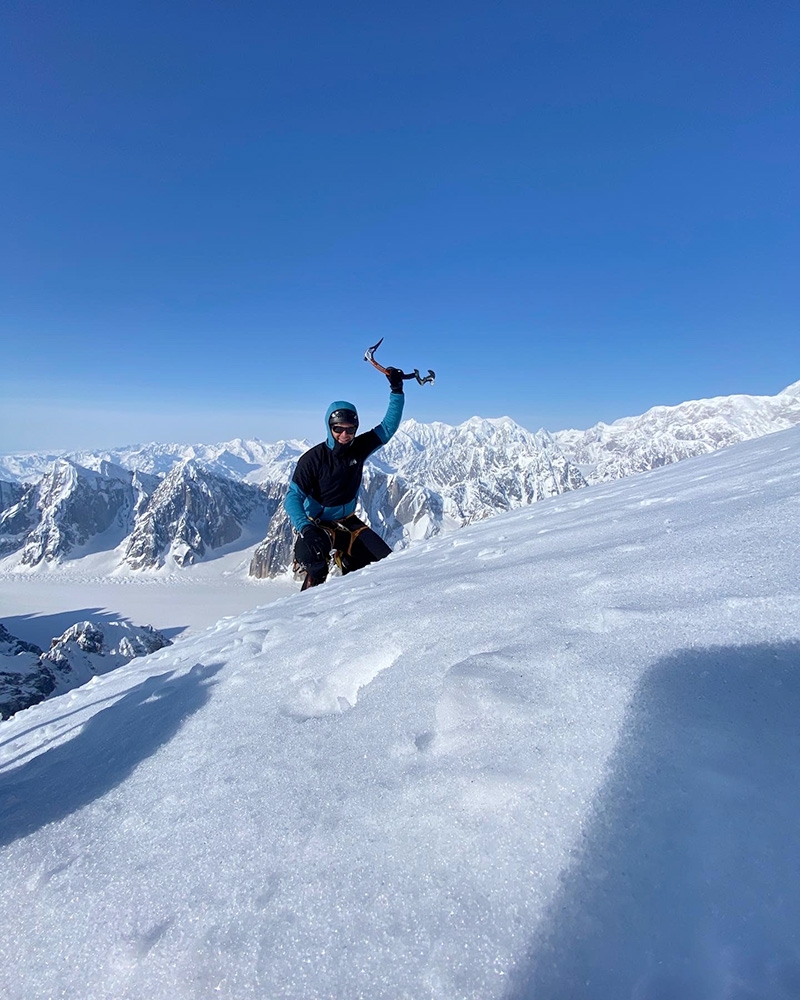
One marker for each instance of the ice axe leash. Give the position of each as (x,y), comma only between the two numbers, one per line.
(369,355)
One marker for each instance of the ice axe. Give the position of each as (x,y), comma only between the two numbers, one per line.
(369,355)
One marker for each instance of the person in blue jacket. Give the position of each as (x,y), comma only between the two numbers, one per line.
(321,501)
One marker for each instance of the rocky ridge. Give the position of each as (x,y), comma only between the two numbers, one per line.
(194,512)
(175,505)
(667,434)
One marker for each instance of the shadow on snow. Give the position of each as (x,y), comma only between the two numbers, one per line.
(686,884)
(109,746)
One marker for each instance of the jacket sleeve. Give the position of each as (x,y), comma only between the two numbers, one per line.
(293,504)
(391,420)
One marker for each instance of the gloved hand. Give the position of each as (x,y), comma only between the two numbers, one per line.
(318,541)
(395,377)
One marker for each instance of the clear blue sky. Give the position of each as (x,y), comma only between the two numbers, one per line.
(572,211)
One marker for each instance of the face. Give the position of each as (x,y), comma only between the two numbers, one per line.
(343,433)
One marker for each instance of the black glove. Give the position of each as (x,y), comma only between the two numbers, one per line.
(318,541)
(395,377)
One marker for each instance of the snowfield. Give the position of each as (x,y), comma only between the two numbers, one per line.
(553,755)
(40,603)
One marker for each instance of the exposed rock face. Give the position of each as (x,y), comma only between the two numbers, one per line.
(69,507)
(18,521)
(193,511)
(274,555)
(398,509)
(10,494)
(10,645)
(74,505)
(28,676)
(22,682)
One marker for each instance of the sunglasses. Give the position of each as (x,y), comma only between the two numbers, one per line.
(343,429)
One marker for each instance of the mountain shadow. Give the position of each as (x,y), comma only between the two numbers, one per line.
(42,629)
(109,746)
(687,881)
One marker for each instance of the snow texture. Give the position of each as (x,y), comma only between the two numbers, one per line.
(552,755)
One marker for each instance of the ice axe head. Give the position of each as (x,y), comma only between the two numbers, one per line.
(369,355)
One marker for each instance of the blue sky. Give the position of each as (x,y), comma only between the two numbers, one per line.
(571,211)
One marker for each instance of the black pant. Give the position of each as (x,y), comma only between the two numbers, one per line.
(355,546)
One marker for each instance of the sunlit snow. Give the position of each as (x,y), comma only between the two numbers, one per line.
(553,755)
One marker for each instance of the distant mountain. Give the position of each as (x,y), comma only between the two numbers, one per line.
(29,467)
(193,512)
(171,504)
(70,507)
(250,461)
(480,467)
(667,434)
(28,676)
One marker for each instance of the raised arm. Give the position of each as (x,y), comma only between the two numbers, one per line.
(394,411)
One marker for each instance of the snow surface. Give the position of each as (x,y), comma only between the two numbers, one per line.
(554,755)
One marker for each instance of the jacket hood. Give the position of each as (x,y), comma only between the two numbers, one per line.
(339,404)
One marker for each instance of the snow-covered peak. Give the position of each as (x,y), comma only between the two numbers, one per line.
(476,426)
(487,424)
(194,511)
(28,467)
(666,434)
(792,390)
(248,460)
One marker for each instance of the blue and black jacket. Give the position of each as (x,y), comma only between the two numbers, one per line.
(327,478)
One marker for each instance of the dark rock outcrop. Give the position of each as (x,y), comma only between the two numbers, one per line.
(28,676)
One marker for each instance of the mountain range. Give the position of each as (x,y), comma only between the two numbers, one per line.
(171,505)
(667,434)
(554,754)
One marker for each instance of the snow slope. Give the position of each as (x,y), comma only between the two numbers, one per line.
(553,755)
